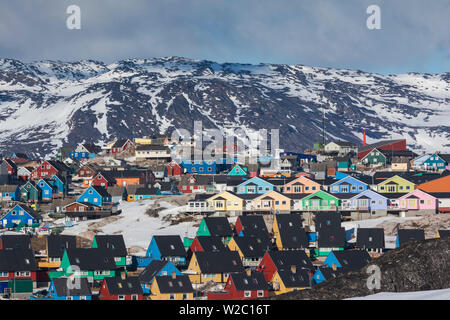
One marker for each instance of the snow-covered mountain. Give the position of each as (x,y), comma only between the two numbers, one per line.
(47,104)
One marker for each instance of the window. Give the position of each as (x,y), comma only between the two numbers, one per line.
(171,296)
(121,297)
(247,294)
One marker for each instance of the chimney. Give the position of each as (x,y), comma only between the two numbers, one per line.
(174,274)
(249,272)
(364,138)
(123,275)
(294,269)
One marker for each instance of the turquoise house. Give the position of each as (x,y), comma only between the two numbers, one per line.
(255,185)
(237,170)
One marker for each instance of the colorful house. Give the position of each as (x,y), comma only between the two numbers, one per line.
(120,288)
(121,145)
(156,268)
(436,162)
(374,158)
(251,226)
(18,271)
(301,184)
(9,193)
(406,235)
(215,226)
(46,189)
(328,240)
(60,290)
(370,239)
(95,195)
(243,286)
(175,287)
(255,185)
(395,184)
(283,260)
(55,245)
(59,184)
(289,233)
(238,170)
(348,184)
(20,214)
(213,266)
(30,192)
(320,200)
(271,201)
(293,279)
(251,249)
(324,273)
(91,263)
(418,201)
(365,205)
(174,169)
(225,202)
(349,259)
(114,245)
(167,248)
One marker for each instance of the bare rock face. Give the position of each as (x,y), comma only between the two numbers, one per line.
(417,266)
(48,104)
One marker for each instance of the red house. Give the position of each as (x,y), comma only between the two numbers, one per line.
(122,145)
(49,168)
(86,171)
(121,288)
(206,243)
(197,183)
(243,286)
(12,168)
(382,145)
(283,260)
(103,179)
(173,169)
(17,270)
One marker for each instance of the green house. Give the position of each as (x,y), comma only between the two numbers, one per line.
(30,192)
(215,226)
(91,263)
(115,245)
(320,200)
(374,157)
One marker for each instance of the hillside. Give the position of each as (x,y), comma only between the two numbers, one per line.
(48,104)
(417,266)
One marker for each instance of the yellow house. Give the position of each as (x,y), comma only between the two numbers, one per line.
(174,287)
(250,249)
(294,236)
(55,245)
(213,266)
(272,201)
(284,281)
(225,202)
(396,184)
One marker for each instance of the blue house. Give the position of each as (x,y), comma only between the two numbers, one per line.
(204,166)
(9,192)
(167,248)
(59,290)
(435,161)
(324,273)
(95,195)
(59,183)
(367,200)
(46,189)
(418,161)
(254,185)
(348,259)
(348,184)
(20,214)
(156,268)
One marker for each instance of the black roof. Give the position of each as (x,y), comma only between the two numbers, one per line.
(243,281)
(119,143)
(329,273)
(119,286)
(254,226)
(212,243)
(13,241)
(352,259)
(405,235)
(219,262)
(444,233)
(292,234)
(327,220)
(370,238)
(170,246)
(218,226)
(101,191)
(57,244)
(179,284)
(252,247)
(62,289)
(150,271)
(91,258)
(115,244)
(284,260)
(295,279)
(331,237)
(17,260)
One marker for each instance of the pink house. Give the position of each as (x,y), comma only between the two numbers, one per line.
(418,200)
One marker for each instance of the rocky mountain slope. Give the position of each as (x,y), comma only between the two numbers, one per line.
(47,104)
(416,266)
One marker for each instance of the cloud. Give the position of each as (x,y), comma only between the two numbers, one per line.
(333,33)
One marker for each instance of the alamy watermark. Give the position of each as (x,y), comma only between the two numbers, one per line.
(374,280)
(73,21)
(373,22)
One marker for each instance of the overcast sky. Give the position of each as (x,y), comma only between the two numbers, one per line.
(414,35)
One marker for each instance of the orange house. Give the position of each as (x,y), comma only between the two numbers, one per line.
(301,185)
(437,185)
